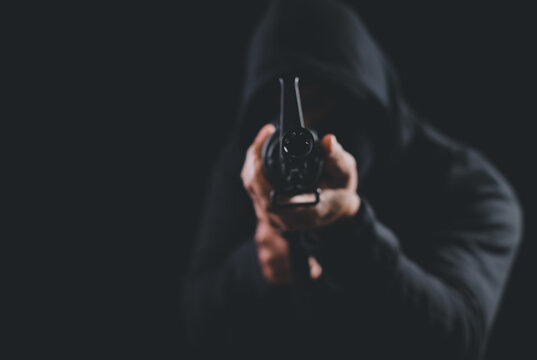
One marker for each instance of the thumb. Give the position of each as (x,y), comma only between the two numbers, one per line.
(336,160)
(315,269)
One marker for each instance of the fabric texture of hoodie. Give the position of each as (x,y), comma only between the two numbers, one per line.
(417,273)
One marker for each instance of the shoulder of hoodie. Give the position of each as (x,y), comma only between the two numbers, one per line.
(464,167)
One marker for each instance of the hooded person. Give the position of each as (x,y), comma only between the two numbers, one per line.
(419,269)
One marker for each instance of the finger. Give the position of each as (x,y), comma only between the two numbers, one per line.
(261,183)
(327,142)
(335,159)
(263,134)
(338,163)
(252,172)
(277,222)
(315,269)
(254,151)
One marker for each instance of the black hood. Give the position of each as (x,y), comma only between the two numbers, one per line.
(327,41)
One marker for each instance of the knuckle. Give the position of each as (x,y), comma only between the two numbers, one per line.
(273,261)
(274,223)
(273,218)
(353,163)
(270,274)
(260,241)
(264,255)
(256,162)
(351,160)
(261,204)
(283,226)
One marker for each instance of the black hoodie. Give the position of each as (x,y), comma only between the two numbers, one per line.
(418,273)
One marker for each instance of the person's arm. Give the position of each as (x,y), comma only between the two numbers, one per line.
(442,307)
(224,286)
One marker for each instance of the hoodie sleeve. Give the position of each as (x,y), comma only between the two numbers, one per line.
(441,307)
(224,290)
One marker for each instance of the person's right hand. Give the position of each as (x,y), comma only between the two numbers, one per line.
(273,255)
(272,248)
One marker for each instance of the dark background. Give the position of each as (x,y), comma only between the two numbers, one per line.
(142,98)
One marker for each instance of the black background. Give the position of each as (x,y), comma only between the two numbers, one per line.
(142,98)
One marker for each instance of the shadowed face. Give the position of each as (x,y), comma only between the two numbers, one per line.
(326,109)
(317,102)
